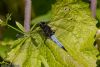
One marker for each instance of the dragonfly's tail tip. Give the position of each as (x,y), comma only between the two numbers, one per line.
(64,48)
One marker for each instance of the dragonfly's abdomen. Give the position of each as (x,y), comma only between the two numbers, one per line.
(53,37)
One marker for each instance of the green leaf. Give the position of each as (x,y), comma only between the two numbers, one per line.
(73,25)
(20,26)
(46,17)
(8,16)
(98,13)
(3,50)
(2,23)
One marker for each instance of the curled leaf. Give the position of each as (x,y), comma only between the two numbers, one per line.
(20,26)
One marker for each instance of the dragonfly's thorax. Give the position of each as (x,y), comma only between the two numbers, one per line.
(46,29)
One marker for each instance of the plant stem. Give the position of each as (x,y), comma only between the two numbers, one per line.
(27,16)
(93,7)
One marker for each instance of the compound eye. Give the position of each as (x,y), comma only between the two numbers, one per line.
(43,23)
(53,32)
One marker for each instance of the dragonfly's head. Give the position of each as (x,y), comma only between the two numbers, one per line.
(42,24)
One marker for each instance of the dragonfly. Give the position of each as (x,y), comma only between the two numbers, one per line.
(48,32)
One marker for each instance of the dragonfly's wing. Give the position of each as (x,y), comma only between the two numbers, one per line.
(53,37)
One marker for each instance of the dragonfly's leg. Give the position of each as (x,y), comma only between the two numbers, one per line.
(45,40)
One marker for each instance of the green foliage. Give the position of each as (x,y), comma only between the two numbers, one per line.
(3,50)
(42,7)
(75,29)
(20,27)
(2,23)
(98,11)
(45,17)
